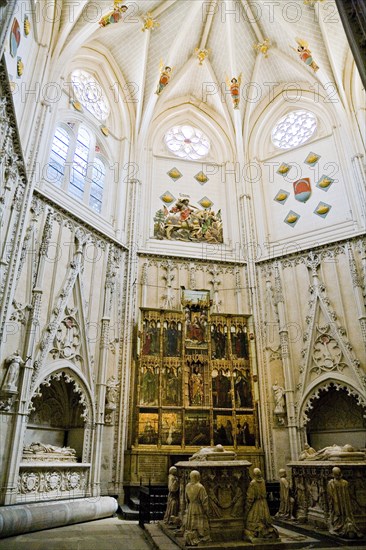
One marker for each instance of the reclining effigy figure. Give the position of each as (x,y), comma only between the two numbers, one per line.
(332,452)
(46,451)
(213,453)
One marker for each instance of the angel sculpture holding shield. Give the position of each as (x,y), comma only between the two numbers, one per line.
(165,75)
(305,54)
(234,86)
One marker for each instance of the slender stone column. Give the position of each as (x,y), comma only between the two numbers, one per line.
(286,362)
(112,267)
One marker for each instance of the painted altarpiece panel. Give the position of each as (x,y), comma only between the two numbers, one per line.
(151,337)
(196,299)
(172,338)
(197,428)
(239,340)
(224,429)
(218,341)
(171,428)
(245,429)
(196,338)
(171,383)
(196,304)
(149,383)
(221,386)
(148,428)
(197,381)
(243,395)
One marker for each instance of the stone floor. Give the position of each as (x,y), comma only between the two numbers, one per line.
(102,534)
(117,534)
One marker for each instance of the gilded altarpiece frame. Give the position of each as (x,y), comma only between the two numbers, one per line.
(194,379)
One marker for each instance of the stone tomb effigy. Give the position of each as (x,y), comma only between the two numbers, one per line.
(226,482)
(311,476)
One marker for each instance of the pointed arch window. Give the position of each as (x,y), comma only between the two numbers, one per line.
(77,166)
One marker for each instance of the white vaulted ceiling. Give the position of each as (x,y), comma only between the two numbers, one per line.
(228,28)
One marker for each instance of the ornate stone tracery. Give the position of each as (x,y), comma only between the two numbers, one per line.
(81,399)
(327,355)
(327,351)
(67,341)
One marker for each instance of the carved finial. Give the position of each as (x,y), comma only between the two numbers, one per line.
(312,262)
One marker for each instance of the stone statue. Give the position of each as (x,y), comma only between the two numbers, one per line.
(333,452)
(307,452)
(111,393)
(172,507)
(286,500)
(13,362)
(197,529)
(258,521)
(300,500)
(279,398)
(341,521)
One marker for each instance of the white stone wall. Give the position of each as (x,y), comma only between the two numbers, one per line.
(311,329)
(65,269)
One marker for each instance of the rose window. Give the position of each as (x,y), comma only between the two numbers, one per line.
(187,142)
(90,94)
(294,129)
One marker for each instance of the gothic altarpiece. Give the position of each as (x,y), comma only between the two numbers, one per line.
(194,379)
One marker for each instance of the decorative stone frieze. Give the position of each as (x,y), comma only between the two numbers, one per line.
(49,481)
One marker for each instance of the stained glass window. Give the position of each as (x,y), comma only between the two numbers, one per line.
(97,185)
(80,164)
(77,166)
(56,164)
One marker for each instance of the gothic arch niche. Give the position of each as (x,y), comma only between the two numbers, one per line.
(58,413)
(335,416)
